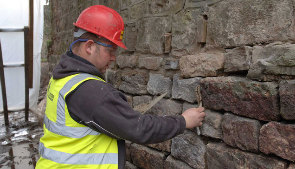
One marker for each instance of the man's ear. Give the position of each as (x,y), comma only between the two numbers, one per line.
(88,47)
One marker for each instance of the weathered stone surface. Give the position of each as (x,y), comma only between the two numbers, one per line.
(113,77)
(141,102)
(138,100)
(167,107)
(138,10)
(152,63)
(164,146)
(153,42)
(279,139)
(157,7)
(126,61)
(274,59)
(212,124)
(287,99)
(158,84)
(129,99)
(188,147)
(172,163)
(291,166)
(186,29)
(171,63)
(186,106)
(199,3)
(134,82)
(184,89)
(221,156)
(241,96)
(144,157)
(127,147)
(236,59)
(129,165)
(125,16)
(242,22)
(202,64)
(130,35)
(126,3)
(241,132)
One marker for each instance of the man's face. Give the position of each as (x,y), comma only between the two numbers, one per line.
(104,56)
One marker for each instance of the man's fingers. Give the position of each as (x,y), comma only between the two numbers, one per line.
(200,109)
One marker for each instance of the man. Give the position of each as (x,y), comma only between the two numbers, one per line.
(87,120)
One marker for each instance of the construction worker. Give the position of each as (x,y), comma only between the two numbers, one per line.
(86,119)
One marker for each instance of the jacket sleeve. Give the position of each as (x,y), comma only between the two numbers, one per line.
(105,109)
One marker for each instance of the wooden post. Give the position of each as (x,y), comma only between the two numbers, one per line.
(31,43)
(3,87)
(27,80)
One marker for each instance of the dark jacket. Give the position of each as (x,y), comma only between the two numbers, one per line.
(106,110)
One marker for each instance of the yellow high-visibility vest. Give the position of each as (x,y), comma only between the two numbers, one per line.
(67,144)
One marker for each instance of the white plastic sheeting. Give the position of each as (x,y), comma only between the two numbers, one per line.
(15,14)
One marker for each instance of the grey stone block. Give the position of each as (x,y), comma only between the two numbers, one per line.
(188,147)
(158,84)
(184,89)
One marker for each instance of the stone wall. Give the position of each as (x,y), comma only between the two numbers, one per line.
(241,53)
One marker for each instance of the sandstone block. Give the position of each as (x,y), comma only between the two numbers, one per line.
(287,99)
(212,124)
(130,35)
(199,3)
(188,147)
(184,89)
(241,22)
(113,77)
(151,31)
(158,84)
(165,7)
(138,10)
(279,139)
(202,64)
(151,63)
(236,60)
(124,61)
(272,60)
(241,132)
(144,157)
(221,156)
(172,163)
(171,64)
(134,82)
(186,29)
(126,3)
(258,100)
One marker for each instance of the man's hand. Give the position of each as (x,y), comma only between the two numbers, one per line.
(194,117)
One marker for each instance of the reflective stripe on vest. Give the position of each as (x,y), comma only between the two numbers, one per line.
(74,132)
(96,158)
(61,129)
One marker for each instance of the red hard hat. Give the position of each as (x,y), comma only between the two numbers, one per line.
(102,21)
